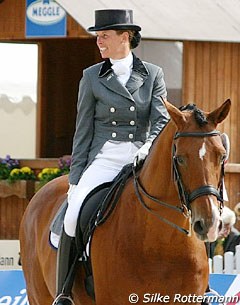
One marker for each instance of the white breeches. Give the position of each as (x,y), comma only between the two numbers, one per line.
(107,164)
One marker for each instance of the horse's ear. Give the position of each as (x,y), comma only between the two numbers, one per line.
(176,115)
(219,114)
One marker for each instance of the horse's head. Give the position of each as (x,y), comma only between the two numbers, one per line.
(198,162)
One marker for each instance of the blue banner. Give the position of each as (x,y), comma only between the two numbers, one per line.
(12,288)
(45,18)
(225,289)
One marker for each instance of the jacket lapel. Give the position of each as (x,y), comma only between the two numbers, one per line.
(109,80)
(137,78)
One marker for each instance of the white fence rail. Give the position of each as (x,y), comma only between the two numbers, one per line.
(227,264)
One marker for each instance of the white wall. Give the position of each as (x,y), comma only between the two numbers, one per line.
(17,128)
(18,98)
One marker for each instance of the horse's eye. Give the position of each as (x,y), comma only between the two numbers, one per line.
(180,160)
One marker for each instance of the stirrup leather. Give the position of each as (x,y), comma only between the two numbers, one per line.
(64,297)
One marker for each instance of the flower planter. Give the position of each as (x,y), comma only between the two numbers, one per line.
(21,188)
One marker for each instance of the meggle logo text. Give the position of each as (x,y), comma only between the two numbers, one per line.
(45,12)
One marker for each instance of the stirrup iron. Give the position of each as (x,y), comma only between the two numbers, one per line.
(64,297)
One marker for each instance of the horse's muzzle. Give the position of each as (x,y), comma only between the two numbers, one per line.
(201,229)
(207,230)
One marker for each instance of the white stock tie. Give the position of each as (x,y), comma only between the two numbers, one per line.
(122,72)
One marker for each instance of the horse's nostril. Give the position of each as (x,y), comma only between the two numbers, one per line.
(199,227)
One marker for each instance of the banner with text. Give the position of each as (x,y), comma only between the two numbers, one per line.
(12,288)
(226,290)
(9,254)
(45,18)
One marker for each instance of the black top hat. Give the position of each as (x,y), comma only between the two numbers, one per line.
(114,20)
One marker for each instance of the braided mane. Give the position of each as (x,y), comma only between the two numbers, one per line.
(198,114)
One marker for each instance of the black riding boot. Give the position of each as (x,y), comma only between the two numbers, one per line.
(65,258)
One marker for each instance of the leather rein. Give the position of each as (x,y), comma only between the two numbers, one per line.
(184,197)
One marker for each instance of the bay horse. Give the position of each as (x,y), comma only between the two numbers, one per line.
(144,251)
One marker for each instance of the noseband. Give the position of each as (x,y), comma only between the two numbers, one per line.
(185,197)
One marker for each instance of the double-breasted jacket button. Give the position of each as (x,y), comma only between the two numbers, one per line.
(112,109)
(132,123)
(114,123)
(130,136)
(132,108)
(114,134)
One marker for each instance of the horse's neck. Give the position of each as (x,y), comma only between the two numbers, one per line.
(156,179)
(150,225)
(156,174)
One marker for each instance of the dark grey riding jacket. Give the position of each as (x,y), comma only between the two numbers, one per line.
(109,111)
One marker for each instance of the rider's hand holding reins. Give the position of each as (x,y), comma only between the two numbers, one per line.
(142,153)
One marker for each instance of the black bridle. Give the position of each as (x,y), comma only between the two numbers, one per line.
(185,197)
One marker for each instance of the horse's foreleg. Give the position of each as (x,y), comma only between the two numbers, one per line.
(37,291)
(37,288)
